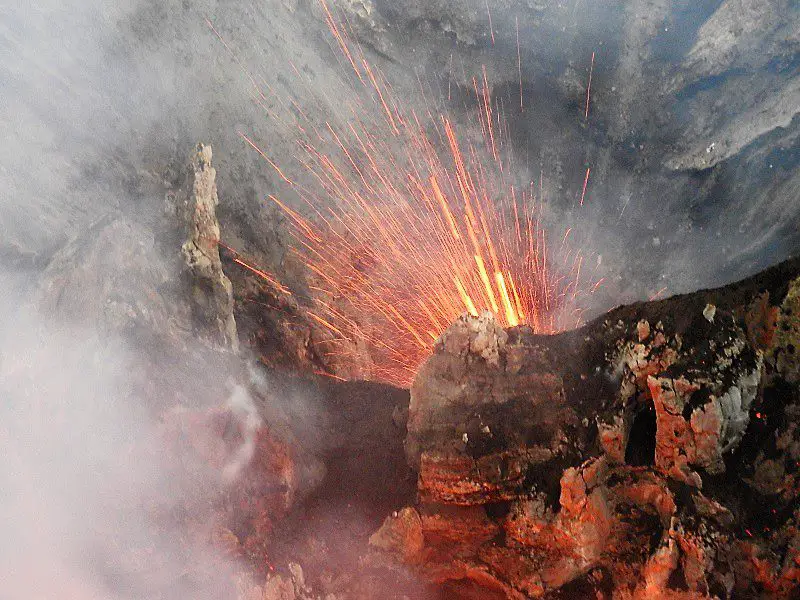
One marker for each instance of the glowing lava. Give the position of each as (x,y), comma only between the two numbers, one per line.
(410,225)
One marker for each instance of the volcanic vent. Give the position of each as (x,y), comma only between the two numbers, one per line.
(630,457)
(409,222)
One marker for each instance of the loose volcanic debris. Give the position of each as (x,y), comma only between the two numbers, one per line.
(652,453)
(212,292)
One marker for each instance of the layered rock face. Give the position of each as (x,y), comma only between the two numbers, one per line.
(652,453)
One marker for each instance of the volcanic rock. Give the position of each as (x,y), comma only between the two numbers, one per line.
(212,292)
(635,456)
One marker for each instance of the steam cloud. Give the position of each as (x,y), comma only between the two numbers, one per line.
(90,501)
(99,98)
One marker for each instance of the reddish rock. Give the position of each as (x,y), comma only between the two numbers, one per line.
(401,533)
(572,465)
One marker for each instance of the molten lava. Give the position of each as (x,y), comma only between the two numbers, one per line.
(410,225)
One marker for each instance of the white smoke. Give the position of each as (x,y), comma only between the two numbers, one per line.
(99,97)
(241,405)
(91,502)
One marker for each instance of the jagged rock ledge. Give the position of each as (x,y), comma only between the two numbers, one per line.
(654,451)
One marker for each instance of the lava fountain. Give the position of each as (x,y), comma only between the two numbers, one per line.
(411,223)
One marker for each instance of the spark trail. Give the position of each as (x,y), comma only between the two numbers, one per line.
(410,224)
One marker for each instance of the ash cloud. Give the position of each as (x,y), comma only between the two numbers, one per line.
(101,98)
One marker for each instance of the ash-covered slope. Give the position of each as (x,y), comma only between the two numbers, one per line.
(691,135)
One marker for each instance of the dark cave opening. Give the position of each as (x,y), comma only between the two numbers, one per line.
(640,450)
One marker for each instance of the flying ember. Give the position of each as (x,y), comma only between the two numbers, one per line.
(410,224)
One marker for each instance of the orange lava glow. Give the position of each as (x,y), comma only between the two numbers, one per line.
(411,223)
